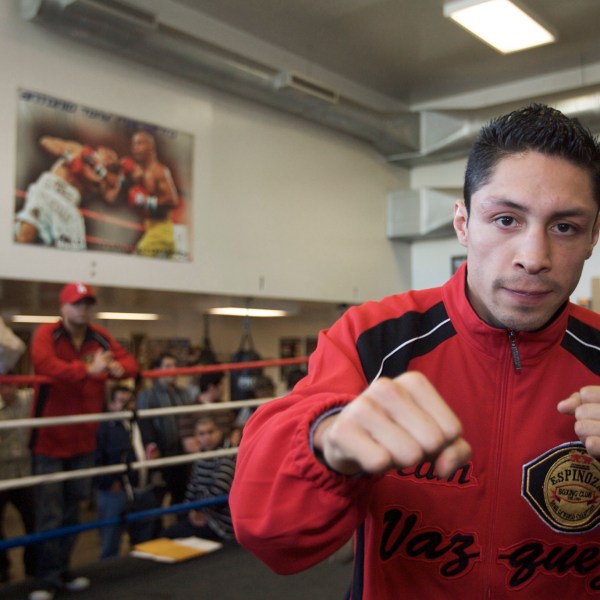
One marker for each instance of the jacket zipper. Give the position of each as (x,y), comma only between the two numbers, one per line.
(514,349)
(502,402)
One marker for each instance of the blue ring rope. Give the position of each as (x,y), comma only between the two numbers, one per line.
(34,538)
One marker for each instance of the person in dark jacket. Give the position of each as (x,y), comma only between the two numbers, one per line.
(164,429)
(119,442)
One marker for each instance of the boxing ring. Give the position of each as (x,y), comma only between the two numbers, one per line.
(228,574)
(132,416)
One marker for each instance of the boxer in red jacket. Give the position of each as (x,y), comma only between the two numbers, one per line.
(454,431)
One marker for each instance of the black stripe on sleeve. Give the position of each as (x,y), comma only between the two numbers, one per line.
(583,342)
(387,348)
(101,340)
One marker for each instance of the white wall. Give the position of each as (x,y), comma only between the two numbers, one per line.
(431,261)
(591,270)
(281,208)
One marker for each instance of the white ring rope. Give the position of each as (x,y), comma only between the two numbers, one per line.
(8,484)
(126,415)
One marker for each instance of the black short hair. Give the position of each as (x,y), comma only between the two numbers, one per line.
(157,362)
(119,388)
(207,379)
(206,418)
(537,128)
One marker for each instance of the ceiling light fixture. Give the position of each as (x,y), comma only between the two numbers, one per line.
(236,311)
(119,316)
(34,318)
(123,316)
(500,23)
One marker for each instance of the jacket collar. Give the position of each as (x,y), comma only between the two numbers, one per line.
(494,341)
(61,331)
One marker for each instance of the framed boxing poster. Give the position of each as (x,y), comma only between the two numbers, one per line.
(92,180)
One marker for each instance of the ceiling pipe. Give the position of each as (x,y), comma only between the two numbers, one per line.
(404,138)
(139,35)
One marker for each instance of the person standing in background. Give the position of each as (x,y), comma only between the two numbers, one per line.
(164,429)
(123,442)
(79,357)
(15,462)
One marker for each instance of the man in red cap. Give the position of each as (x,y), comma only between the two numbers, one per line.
(79,356)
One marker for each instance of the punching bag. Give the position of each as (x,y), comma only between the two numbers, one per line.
(207,355)
(243,380)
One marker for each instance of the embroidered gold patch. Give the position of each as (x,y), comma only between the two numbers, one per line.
(563,487)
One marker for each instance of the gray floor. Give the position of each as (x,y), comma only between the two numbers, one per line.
(228,574)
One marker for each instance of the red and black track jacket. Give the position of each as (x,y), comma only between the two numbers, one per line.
(517,522)
(73,391)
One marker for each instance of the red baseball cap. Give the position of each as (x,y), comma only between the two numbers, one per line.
(74,292)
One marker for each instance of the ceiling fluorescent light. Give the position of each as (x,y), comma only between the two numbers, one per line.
(499,23)
(34,318)
(236,311)
(122,316)
(119,316)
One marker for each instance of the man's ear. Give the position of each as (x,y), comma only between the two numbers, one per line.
(595,233)
(461,219)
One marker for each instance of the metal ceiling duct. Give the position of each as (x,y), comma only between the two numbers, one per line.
(447,135)
(405,138)
(420,214)
(139,34)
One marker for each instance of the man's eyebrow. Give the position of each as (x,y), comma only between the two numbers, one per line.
(493,203)
(503,203)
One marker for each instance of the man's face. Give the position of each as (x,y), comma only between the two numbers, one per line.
(168,363)
(121,400)
(530,229)
(215,392)
(208,435)
(78,314)
(141,146)
(8,393)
